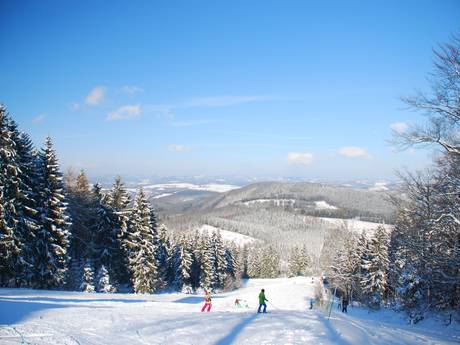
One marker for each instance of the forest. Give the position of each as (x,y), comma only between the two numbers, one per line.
(62,232)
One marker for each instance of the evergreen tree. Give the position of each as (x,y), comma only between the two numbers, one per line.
(83,211)
(182,261)
(27,204)
(52,237)
(103,281)
(117,200)
(87,279)
(299,262)
(11,262)
(219,253)
(140,245)
(208,277)
(107,243)
(375,282)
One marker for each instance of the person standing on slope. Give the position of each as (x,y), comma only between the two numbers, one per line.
(207,301)
(262,300)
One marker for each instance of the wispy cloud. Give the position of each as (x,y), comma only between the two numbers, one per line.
(354,151)
(167,110)
(178,148)
(399,127)
(300,158)
(132,89)
(39,118)
(125,112)
(96,96)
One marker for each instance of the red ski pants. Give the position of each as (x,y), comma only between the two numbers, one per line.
(206,306)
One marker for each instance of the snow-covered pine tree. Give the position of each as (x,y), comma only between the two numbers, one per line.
(375,282)
(182,262)
(83,211)
(52,237)
(87,277)
(270,263)
(117,200)
(11,262)
(208,278)
(27,203)
(358,255)
(140,245)
(255,263)
(164,253)
(295,265)
(107,244)
(220,258)
(231,280)
(344,267)
(103,283)
(197,247)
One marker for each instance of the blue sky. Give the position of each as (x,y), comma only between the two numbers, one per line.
(259,88)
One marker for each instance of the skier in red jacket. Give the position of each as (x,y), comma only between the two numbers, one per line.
(207,301)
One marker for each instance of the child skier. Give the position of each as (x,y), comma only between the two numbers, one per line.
(262,300)
(207,301)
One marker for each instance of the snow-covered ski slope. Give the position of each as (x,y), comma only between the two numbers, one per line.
(49,317)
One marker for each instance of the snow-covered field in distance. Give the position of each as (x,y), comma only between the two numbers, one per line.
(355,225)
(181,186)
(229,236)
(53,317)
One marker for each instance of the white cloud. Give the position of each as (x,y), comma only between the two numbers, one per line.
(354,151)
(125,112)
(96,96)
(39,118)
(179,148)
(399,127)
(300,158)
(132,89)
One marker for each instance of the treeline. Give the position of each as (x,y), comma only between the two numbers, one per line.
(67,234)
(419,264)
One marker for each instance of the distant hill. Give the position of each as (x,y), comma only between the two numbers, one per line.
(307,198)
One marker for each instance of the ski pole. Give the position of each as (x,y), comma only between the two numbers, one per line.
(274,306)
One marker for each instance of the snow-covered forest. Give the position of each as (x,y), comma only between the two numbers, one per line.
(62,232)
(58,233)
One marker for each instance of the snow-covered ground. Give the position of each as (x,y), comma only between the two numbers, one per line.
(355,224)
(228,236)
(276,202)
(210,187)
(49,317)
(323,205)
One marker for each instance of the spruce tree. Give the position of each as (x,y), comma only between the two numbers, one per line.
(103,282)
(117,201)
(27,204)
(11,262)
(87,279)
(52,237)
(140,245)
(375,282)
(208,278)
(182,262)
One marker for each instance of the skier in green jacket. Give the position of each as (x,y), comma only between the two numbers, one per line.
(262,300)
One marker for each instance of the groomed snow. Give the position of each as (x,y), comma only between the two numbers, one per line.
(49,317)
(228,236)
